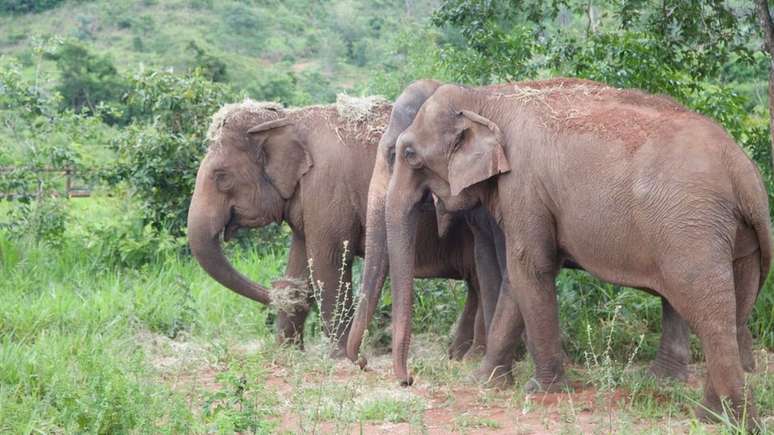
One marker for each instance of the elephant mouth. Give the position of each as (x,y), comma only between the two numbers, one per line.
(231,227)
(427,203)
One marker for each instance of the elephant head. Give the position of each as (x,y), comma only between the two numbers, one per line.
(251,170)
(447,152)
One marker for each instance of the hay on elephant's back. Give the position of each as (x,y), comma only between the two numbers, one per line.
(358,109)
(574,101)
(233,111)
(366,116)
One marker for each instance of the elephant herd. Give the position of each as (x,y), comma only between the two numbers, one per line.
(499,186)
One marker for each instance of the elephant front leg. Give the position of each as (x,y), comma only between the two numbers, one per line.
(292,296)
(532,269)
(331,268)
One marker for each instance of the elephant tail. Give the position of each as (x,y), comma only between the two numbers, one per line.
(754,206)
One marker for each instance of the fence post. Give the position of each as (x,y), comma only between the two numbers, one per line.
(68,182)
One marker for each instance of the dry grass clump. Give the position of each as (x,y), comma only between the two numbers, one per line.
(290,294)
(358,109)
(237,111)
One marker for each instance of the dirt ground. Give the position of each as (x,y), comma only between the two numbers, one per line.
(307,388)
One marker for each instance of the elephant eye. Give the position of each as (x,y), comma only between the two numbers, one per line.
(224,181)
(411,157)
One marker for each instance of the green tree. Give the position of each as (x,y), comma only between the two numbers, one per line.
(210,66)
(86,79)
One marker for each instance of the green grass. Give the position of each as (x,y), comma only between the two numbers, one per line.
(70,357)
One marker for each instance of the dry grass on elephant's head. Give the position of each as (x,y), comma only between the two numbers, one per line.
(233,112)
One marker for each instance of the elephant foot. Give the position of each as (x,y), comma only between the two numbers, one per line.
(498,377)
(338,353)
(713,410)
(475,352)
(406,382)
(560,385)
(671,361)
(714,413)
(457,351)
(290,341)
(663,370)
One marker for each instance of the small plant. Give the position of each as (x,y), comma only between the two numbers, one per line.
(606,373)
(239,405)
(343,311)
(467,421)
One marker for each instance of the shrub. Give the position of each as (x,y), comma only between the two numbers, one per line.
(86,79)
(159,153)
(26,6)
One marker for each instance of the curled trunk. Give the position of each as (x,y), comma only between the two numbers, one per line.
(204,229)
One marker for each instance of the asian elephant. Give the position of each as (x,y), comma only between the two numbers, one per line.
(674,353)
(310,168)
(634,188)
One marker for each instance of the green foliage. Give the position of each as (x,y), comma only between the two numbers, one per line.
(158,155)
(241,404)
(86,80)
(208,65)
(41,143)
(25,6)
(78,342)
(44,219)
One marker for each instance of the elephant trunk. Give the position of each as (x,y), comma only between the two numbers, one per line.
(376,261)
(401,230)
(204,228)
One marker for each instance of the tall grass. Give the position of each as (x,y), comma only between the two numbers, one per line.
(70,359)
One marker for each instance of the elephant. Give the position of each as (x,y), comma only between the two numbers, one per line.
(635,189)
(310,168)
(674,352)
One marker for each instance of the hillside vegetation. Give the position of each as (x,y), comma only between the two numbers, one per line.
(299,52)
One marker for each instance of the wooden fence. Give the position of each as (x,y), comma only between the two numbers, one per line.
(71,190)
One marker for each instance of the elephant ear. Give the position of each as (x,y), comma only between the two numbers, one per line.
(478,153)
(284,155)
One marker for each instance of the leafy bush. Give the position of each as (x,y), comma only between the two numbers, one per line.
(25,6)
(86,79)
(159,153)
(43,219)
(42,142)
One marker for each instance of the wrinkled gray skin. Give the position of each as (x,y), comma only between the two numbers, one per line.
(673,355)
(311,169)
(634,188)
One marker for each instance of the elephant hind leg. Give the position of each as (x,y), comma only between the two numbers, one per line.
(674,351)
(464,332)
(707,300)
(746,283)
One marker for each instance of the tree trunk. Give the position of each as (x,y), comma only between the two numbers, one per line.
(767,26)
